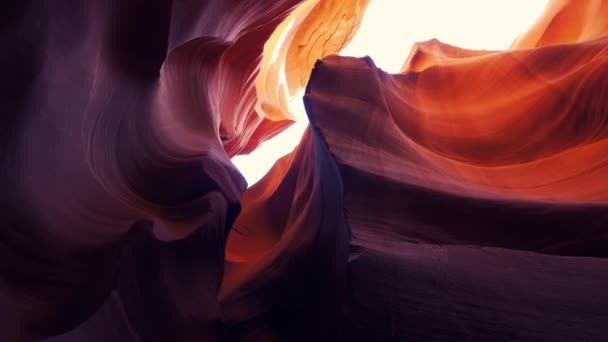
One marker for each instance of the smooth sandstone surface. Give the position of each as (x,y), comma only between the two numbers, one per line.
(463,199)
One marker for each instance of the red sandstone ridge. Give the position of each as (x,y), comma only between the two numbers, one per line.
(462,199)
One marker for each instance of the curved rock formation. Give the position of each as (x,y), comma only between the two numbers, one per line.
(463,199)
(121,118)
(473,189)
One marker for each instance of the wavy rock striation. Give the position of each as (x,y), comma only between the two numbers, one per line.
(462,199)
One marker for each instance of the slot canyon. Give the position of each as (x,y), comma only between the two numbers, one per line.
(436,191)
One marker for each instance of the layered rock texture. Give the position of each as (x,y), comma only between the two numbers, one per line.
(465,198)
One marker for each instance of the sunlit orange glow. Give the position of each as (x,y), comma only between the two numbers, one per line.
(387,31)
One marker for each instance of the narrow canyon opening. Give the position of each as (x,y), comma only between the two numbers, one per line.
(388,30)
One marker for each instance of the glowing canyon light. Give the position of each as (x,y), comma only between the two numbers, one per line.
(387,33)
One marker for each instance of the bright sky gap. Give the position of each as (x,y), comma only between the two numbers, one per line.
(387,33)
